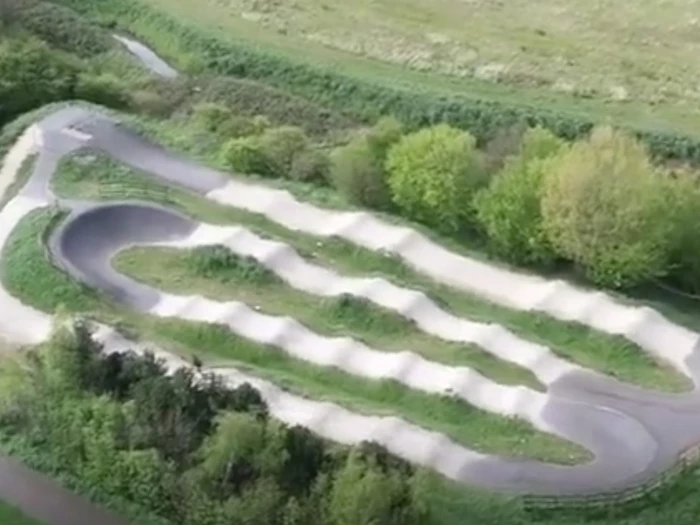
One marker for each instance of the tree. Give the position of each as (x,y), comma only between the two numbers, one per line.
(683,189)
(604,207)
(358,168)
(9,12)
(32,75)
(433,175)
(364,495)
(509,209)
(280,146)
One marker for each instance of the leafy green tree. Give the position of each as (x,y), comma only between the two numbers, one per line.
(310,165)
(683,190)
(509,209)
(242,450)
(280,146)
(104,89)
(604,207)
(357,169)
(245,156)
(364,495)
(31,75)
(211,116)
(433,175)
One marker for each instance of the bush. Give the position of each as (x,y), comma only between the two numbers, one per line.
(604,207)
(509,209)
(104,89)
(357,169)
(245,156)
(310,165)
(149,103)
(176,448)
(32,75)
(211,116)
(64,29)
(433,175)
(281,145)
(684,205)
(237,127)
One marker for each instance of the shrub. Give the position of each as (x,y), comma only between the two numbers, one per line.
(64,29)
(509,209)
(104,89)
(604,208)
(149,102)
(237,127)
(433,175)
(358,170)
(281,145)
(32,75)
(210,115)
(684,205)
(504,144)
(245,156)
(310,165)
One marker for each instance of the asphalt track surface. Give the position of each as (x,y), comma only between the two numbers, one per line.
(633,433)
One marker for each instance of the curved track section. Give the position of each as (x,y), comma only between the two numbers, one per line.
(633,433)
(87,241)
(293,269)
(649,329)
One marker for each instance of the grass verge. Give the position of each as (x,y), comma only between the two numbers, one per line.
(104,179)
(29,276)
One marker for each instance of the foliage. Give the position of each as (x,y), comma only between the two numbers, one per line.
(310,165)
(281,145)
(210,115)
(32,75)
(184,450)
(252,99)
(9,13)
(64,29)
(433,175)
(105,89)
(245,156)
(509,209)
(358,171)
(684,207)
(504,144)
(220,262)
(604,208)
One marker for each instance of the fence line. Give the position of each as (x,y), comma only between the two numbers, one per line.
(685,460)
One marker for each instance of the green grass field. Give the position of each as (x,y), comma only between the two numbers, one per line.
(584,59)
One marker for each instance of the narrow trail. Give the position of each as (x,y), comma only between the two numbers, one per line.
(633,433)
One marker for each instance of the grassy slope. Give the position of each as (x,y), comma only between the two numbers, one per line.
(674,111)
(104,179)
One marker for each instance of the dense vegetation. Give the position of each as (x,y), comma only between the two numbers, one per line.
(188,449)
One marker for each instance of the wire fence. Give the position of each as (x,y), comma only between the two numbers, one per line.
(686,459)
